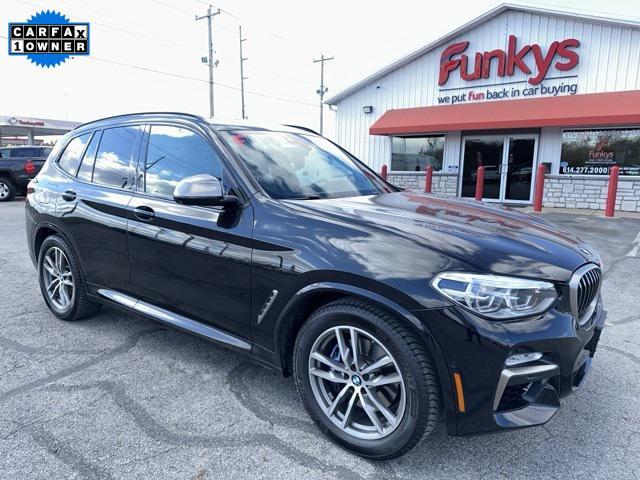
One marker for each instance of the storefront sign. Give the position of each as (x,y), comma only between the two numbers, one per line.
(529,59)
(594,152)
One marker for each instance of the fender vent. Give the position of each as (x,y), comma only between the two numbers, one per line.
(267,304)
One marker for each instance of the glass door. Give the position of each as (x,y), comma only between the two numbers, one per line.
(508,162)
(489,153)
(518,170)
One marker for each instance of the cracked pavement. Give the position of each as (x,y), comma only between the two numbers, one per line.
(117,396)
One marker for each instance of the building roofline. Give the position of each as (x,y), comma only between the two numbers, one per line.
(476,22)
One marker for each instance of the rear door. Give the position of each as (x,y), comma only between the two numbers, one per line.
(93,201)
(190,260)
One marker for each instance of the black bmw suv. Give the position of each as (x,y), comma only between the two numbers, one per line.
(389,308)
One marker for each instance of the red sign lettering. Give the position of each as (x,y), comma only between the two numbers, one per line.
(453,58)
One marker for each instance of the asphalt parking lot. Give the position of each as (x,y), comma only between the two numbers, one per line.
(116,396)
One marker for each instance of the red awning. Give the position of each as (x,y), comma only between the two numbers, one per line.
(616,108)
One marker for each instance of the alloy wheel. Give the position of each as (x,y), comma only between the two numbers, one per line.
(4,190)
(58,278)
(357,382)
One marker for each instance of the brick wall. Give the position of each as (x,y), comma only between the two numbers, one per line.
(445,184)
(568,191)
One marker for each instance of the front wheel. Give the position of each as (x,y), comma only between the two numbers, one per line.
(366,379)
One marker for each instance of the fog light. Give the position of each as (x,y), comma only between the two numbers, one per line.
(520,358)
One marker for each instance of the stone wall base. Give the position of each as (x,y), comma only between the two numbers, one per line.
(560,191)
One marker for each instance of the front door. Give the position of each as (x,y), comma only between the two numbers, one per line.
(191,260)
(508,161)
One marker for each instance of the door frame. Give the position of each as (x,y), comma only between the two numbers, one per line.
(503,165)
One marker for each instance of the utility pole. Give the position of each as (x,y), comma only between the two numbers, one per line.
(322,90)
(242,77)
(209,16)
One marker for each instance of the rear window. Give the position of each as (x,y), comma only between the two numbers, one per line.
(115,152)
(86,167)
(70,158)
(30,152)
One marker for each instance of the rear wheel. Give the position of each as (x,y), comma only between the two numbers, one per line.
(7,190)
(366,379)
(61,281)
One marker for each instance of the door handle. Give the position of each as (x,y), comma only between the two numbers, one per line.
(144,213)
(69,195)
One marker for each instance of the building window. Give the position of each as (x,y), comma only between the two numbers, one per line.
(594,152)
(413,154)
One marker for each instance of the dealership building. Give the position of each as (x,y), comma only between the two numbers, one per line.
(514,88)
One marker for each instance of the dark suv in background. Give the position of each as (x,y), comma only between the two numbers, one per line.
(390,308)
(18,165)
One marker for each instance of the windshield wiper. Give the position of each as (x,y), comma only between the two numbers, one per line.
(307,197)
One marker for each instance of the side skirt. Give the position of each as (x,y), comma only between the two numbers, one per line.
(175,320)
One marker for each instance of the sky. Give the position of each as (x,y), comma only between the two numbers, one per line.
(146,54)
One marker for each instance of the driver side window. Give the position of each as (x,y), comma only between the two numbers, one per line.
(175,153)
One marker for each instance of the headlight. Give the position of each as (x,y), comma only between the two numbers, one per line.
(494,296)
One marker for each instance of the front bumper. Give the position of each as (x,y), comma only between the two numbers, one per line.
(499,396)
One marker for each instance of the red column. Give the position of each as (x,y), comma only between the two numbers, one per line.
(539,188)
(428,179)
(479,183)
(383,172)
(613,190)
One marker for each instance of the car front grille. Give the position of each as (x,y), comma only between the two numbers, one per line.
(585,286)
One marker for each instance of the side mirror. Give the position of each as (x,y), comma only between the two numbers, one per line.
(202,189)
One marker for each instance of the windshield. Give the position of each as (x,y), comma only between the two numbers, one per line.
(301,166)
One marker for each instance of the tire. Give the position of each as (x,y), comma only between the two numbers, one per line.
(50,272)
(7,190)
(401,428)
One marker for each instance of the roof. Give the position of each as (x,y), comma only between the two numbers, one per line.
(216,123)
(141,116)
(476,22)
(594,109)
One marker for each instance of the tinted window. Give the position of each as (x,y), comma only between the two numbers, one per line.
(173,154)
(86,167)
(5,153)
(415,153)
(594,152)
(72,154)
(33,152)
(114,154)
(301,166)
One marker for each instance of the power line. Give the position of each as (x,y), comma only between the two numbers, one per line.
(196,79)
(173,7)
(170,42)
(218,8)
(123,30)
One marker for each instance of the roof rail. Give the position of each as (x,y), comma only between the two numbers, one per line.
(191,115)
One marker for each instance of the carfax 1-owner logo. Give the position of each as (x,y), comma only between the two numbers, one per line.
(48,38)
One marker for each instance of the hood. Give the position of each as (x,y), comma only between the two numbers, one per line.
(479,237)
